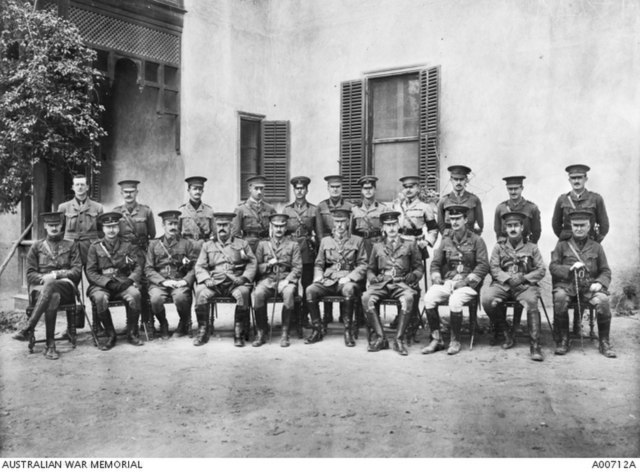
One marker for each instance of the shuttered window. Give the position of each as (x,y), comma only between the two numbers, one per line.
(390,125)
(275,160)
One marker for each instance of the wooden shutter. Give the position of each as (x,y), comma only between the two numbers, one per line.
(351,137)
(275,159)
(430,127)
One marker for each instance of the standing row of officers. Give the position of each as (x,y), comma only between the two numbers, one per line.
(361,253)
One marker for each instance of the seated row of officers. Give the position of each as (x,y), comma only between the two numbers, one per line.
(366,254)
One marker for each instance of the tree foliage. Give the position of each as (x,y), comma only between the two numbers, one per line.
(49,110)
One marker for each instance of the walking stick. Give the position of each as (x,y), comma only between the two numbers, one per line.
(544,308)
(575,279)
(275,297)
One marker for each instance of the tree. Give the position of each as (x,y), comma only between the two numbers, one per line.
(49,110)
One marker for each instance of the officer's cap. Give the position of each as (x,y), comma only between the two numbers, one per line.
(459,171)
(514,179)
(368,179)
(577,169)
(257,180)
(580,215)
(224,216)
(170,215)
(514,216)
(456,210)
(279,219)
(129,184)
(337,179)
(300,180)
(110,218)
(195,180)
(389,217)
(410,179)
(340,214)
(52,218)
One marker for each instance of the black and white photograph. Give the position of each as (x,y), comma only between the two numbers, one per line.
(319,229)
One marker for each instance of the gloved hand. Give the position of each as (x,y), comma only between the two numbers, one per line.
(595,287)
(240,281)
(411,278)
(577,266)
(436,279)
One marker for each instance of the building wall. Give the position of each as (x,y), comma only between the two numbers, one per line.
(527,88)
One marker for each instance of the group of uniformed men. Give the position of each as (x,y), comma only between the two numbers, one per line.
(362,254)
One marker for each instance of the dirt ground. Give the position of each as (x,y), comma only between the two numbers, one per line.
(171,399)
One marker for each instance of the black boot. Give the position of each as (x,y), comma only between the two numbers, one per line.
(499,314)
(71,328)
(561,324)
(202,315)
(286,319)
(316,324)
(262,321)
(603,337)
(399,344)
(379,341)
(436,343)
(149,327)
(164,325)
(25,334)
(98,329)
(456,327)
(577,322)
(533,323)
(238,328)
(50,323)
(132,330)
(107,322)
(508,339)
(346,310)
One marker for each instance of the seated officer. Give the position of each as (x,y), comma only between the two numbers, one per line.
(458,268)
(579,269)
(170,272)
(279,269)
(54,269)
(226,267)
(394,267)
(516,268)
(340,266)
(114,269)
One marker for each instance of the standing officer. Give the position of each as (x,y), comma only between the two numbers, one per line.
(252,217)
(365,218)
(279,269)
(580,199)
(532,228)
(460,196)
(324,220)
(169,270)
(579,269)
(226,267)
(458,268)
(516,268)
(395,266)
(339,268)
(114,269)
(138,227)
(301,226)
(54,270)
(196,217)
(81,217)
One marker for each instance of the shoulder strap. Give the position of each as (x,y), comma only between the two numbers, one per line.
(575,253)
(107,253)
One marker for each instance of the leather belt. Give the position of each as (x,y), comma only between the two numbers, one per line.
(411,232)
(260,234)
(368,234)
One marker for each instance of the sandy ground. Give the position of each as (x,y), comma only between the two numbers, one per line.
(171,399)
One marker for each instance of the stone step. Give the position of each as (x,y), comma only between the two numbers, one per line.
(20,301)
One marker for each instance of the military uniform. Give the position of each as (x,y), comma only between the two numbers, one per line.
(60,257)
(324,217)
(198,224)
(283,278)
(337,258)
(417,222)
(462,264)
(170,259)
(231,267)
(532,226)
(301,226)
(114,268)
(516,272)
(474,215)
(365,222)
(596,269)
(588,201)
(81,223)
(395,269)
(137,225)
(252,221)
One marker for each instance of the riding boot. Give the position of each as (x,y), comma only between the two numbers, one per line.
(456,327)
(149,326)
(98,328)
(164,325)
(399,343)
(561,323)
(286,320)
(508,339)
(50,323)
(577,322)
(238,328)
(346,312)
(71,328)
(496,324)
(107,322)
(603,337)
(379,341)
(316,324)
(328,314)
(533,323)
(132,329)
(262,321)
(202,315)
(358,319)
